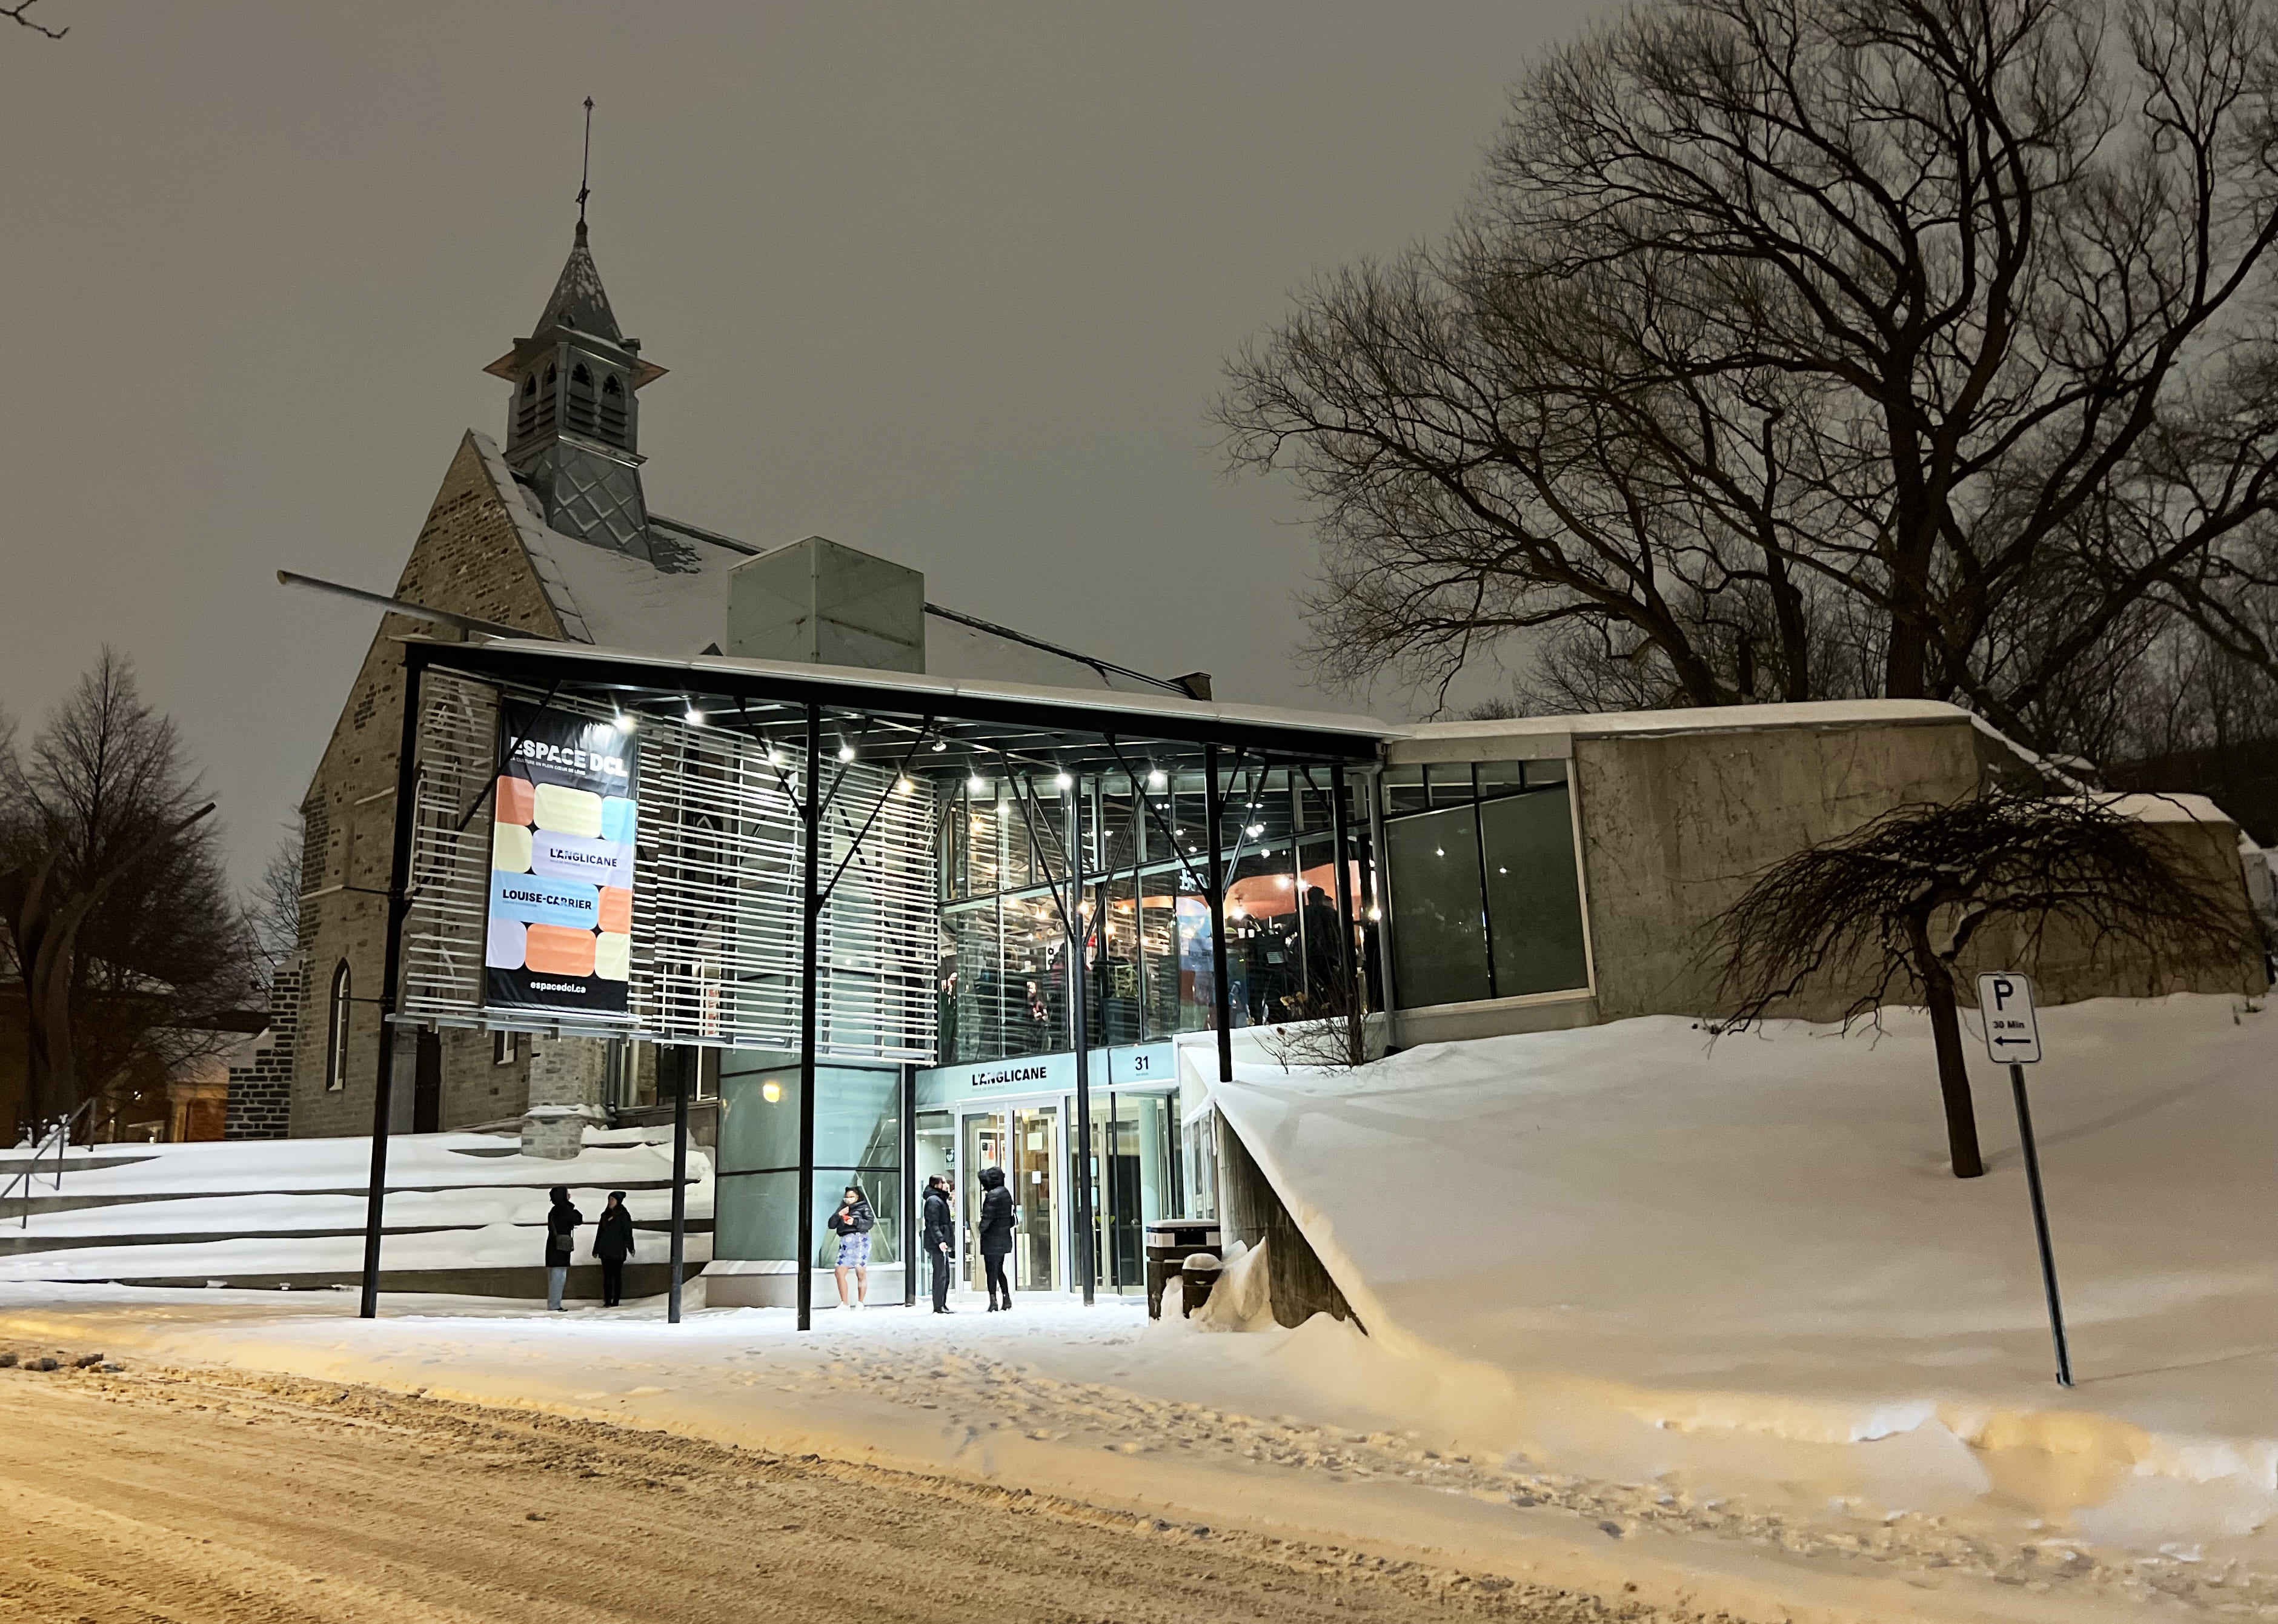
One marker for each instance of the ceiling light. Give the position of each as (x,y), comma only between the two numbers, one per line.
(976,785)
(1158,779)
(1375,914)
(1284,880)
(904,785)
(1253,829)
(624,722)
(1061,780)
(695,718)
(775,756)
(847,753)
(939,746)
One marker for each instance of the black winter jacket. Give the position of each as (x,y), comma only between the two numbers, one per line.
(613,1240)
(939,1230)
(860,1219)
(562,1220)
(997,1222)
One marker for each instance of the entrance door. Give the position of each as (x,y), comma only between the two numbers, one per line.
(1035,1191)
(987,1134)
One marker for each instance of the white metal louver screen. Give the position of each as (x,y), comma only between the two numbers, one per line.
(716,888)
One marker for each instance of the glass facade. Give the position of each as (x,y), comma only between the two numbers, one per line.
(1485,901)
(1006,982)
(857,1140)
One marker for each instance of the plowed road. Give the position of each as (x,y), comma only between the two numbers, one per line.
(147,1496)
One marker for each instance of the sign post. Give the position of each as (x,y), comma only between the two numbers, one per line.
(2013,1037)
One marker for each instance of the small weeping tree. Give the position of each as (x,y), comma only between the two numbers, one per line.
(1891,908)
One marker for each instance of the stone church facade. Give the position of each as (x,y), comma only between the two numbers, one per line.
(549,534)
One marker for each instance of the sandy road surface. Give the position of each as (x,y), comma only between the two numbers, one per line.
(146,1496)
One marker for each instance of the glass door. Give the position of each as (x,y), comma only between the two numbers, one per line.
(986,1144)
(1133,1183)
(1035,1193)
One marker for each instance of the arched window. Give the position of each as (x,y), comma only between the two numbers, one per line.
(581,399)
(529,387)
(336,1029)
(612,409)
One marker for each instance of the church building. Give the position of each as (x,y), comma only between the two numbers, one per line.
(549,534)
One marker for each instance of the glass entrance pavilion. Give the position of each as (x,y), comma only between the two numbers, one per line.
(929,925)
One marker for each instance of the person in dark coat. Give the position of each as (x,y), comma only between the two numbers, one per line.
(561,1222)
(996,1235)
(938,1238)
(613,1244)
(853,1224)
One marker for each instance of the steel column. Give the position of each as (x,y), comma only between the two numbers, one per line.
(1340,837)
(912,1203)
(1079,994)
(398,867)
(688,1056)
(811,817)
(1380,868)
(1221,993)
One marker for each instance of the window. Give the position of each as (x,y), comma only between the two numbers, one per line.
(581,399)
(529,387)
(336,1029)
(506,1047)
(612,409)
(1486,902)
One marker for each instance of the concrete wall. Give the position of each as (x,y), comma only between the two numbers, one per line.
(1677,826)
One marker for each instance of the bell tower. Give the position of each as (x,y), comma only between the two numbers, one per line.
(573,427)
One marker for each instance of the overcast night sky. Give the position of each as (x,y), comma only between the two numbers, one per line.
(951,284)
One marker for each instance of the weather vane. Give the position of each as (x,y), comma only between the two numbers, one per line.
(586,167)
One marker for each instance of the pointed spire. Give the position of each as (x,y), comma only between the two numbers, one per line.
(580,301)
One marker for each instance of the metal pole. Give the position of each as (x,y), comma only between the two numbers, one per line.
(1380,869)
(383,1093)
(912,1205)
(689,1057)
(2041,1225)
(1079,992)
(811,817)
(1340,835)
(1221,993)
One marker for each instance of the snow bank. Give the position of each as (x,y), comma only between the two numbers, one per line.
(1631,1249)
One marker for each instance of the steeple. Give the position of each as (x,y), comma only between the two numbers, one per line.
(573,426)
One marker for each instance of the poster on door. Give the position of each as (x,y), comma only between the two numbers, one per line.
(559,935)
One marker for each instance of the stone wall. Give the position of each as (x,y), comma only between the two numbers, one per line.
(261,1086)
(469,557)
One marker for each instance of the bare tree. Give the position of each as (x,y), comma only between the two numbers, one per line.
(20,12)
(1891,908)
(118,913)
(1811,348)
(272,911)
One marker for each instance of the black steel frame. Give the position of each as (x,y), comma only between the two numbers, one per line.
(1078,737)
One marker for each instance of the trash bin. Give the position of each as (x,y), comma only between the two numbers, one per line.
(1196,1276)
(1170,1243)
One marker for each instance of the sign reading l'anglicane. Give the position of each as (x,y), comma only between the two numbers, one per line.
(560,936)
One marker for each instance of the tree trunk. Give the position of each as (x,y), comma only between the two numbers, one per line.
(1953,1067)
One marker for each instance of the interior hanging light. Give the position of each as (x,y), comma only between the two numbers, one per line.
(695,718)
(1158,780)
(976,785)
(847,753)
(1061,780)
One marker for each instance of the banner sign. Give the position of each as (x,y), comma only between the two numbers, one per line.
(561,862)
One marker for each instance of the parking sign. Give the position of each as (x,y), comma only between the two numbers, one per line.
(2013,1035)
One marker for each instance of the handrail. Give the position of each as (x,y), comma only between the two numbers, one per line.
(59,1135)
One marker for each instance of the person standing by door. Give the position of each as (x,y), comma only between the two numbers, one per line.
(938,1222)
(561,1222)
(996,1235)
(853,1224)
(613,1244)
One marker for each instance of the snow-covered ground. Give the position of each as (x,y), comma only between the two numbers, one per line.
(1713,1320)
(296,1207)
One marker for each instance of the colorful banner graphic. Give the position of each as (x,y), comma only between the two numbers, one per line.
(561,862)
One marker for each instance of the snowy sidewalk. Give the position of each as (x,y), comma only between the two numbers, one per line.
(1317,1433)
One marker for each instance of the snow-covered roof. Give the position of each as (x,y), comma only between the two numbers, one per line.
(944,687)
(612,599)
(1700,719)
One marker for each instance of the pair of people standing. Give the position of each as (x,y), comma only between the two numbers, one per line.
(995,1238)
(613,1244)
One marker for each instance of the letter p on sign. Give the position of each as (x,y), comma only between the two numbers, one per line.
(2013,1035)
